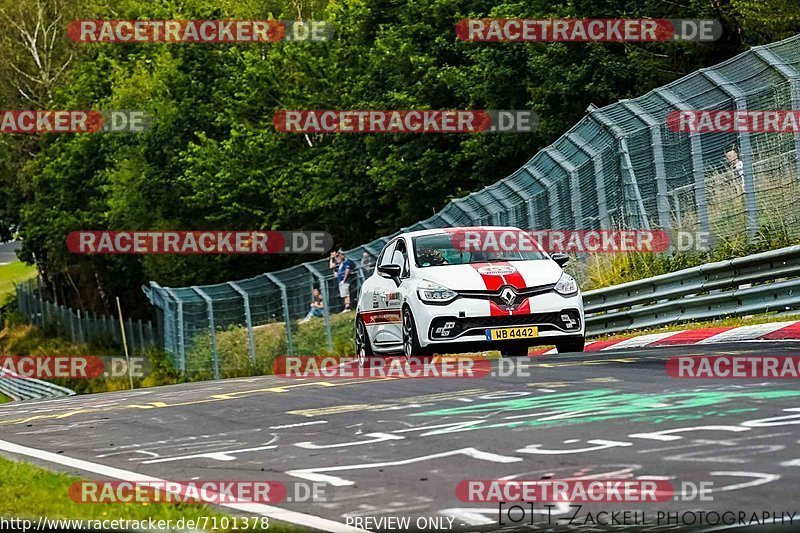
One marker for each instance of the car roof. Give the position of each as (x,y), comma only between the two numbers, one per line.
(435,231)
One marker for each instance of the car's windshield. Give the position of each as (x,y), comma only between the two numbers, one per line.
(446,249)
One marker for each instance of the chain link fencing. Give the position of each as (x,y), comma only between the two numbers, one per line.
(619,167)
(83,326)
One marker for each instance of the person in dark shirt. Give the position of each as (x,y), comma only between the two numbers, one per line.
(344,275)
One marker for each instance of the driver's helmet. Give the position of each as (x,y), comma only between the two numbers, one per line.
(429,256)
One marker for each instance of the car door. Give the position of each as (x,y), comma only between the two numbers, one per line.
(392,296)
(382,307)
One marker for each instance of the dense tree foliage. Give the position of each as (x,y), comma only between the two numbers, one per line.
(213,160)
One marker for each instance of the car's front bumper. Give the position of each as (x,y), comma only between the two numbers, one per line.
(465,320)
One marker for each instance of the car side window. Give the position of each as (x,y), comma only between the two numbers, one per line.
(401,257)
(386,255)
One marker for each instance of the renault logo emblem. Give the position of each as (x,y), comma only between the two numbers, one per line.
(508,295)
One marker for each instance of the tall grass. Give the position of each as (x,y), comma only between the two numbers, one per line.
(233,346)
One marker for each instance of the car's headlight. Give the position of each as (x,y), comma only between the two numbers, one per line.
(566,285)
(429,291)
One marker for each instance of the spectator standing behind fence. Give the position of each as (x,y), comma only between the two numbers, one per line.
(317,306)
(333,262)
(344,275)
(737,165)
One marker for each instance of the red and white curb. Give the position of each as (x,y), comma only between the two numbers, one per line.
(762,332)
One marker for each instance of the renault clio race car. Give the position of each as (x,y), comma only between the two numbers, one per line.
(431,293)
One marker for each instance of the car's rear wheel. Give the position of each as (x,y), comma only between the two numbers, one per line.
(514,350)
(410,339)
(363,348)
(571,345)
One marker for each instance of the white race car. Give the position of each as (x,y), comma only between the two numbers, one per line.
(431,294)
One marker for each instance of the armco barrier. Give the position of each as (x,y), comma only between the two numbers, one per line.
(18,388)
(705,292)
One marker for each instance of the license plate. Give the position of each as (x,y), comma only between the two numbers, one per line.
(507,334)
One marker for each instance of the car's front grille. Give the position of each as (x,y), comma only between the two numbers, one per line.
(445,328)
(495,296)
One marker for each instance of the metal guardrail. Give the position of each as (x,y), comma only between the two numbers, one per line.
(757,283)
(19,388)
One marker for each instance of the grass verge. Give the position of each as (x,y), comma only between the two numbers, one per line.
(4,398)
(28,491)
(19,338)
(13,274)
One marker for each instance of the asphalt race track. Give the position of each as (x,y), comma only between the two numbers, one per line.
(399,447)
(8,252)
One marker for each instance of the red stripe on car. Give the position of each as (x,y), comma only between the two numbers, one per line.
(383,316)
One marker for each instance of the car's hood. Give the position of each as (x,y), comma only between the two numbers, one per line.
(491,276)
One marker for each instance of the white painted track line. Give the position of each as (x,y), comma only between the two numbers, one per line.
(283,515)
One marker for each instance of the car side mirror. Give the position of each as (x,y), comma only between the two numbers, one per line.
(391,272)
(561,259)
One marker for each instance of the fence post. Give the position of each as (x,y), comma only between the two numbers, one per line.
(657,145)
(745,149)
(696,150)
(251,340)
(71,324)
(625,165)
(151,341)
(550,191)
(181,343)
(793,77)
(571,171)
(524,199)
(41,299)
(599,176)
(20,302)
(285,299)
(141,334)
(80,327)
(129,334)
(107,330)
(212,327)
(323,288)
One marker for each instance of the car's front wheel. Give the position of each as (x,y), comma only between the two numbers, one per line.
(571,345)
(363,348)
(410,338)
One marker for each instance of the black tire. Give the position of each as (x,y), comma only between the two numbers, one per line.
(570,345)
(514,350)
(363,347)
(411,345)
